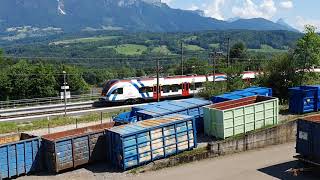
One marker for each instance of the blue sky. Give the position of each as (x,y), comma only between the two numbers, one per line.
(297,13)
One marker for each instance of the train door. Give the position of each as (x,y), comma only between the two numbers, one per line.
(155,93)
(185,89)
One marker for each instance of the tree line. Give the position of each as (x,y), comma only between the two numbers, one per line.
(22,79)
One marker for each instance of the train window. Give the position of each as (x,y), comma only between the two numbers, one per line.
(166,89)
(193,86)
(118,91)
(143,90)
(198,85)
(175,88)
(149,89)
(146,89)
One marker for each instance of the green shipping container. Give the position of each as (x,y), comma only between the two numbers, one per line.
(230,118)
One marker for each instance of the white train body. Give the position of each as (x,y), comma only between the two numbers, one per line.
(146,88)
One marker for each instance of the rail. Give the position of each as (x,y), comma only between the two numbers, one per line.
(46,101)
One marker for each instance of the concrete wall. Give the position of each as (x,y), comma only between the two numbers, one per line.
(276,135)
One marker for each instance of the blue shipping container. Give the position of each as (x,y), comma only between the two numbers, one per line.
(191,107)
(304,99)
(308,133)
(73,148)
(145,141)
(19,155)
(238,94)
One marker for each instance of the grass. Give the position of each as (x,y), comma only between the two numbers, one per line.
(215,45)
(193,47)
(191,153)
(131,49)
(267,49)
(161,50)
(190,38)
(10,127)
(85,40)
(128,49)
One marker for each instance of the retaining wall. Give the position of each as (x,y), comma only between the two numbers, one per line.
(279,134)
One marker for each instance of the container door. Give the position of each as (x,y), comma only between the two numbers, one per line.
(185,89)
(304,141)
(155,93)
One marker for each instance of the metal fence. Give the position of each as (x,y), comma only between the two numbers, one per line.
(47,101)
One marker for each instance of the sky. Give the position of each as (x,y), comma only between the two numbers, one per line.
(296,13)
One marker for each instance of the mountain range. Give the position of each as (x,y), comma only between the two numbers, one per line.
(130,15)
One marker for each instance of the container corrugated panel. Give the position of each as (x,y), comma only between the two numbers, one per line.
(19,155)
(192,107)
(252,91)
(145,141)
(126,117)
(304,99)
(229,118)
(73,148)
(308,133)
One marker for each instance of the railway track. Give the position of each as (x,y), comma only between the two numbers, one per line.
(44,113)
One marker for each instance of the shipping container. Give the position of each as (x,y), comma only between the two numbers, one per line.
(252,91)
(73,148)
(19,155)
(191,107)
(304,99)
(229,118)
(145,141)
(308,133)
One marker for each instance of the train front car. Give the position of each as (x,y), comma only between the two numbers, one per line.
(127,91)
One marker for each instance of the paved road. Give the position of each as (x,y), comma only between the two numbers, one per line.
(265,164)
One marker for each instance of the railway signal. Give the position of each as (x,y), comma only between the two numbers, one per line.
(65,93)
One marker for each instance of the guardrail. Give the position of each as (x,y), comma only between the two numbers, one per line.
(46,101)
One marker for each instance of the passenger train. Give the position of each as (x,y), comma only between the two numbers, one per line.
(137,90)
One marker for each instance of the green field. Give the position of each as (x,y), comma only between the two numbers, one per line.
(190,38)
(84,40)
(214,45)
(193,48)
(128,49)
(267,49)
(161,50)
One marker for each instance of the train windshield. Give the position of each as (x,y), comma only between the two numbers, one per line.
(108,85)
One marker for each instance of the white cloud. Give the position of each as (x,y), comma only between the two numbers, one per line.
(167,1)
(193,7)
(214,9)
(249,9)
(301,22)
(288,4)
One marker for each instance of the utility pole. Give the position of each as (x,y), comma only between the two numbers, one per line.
(214,54)
(158,81)
(65,92)
(181,58)
(228,52)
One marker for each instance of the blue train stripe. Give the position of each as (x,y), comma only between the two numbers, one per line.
(114,97)
(222,77)
(142,85)
(138,89)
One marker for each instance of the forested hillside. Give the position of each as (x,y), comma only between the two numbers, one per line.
(80,47)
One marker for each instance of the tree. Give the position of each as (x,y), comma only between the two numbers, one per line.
(280,74)
(42,80)
(238,51)
(234,77)
(194,66)
(307,52)
(74,79)
(4,85)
